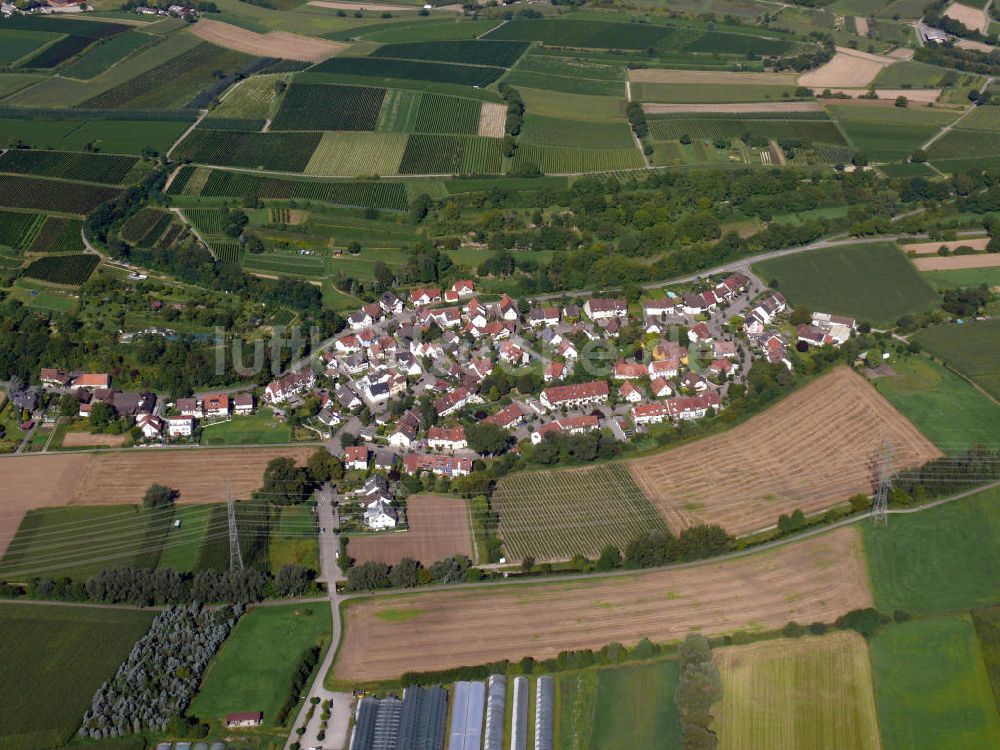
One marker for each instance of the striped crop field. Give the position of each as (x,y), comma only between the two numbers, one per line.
(347,154)
(285,152)
(251,99)
(59,235)
(539,130)
(443,154)
(399,111)
(790,694)
(447,114)
(555,515)
(227,252)
(211,221)
(468,52)
(274,263)
(17,229)
(318,106)
(817,131)
(555,160)
(106,169)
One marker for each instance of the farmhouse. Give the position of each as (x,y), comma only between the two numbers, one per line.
(605,308)
(243,404)
(837,327)
(244,719)
(150,425)
(445,466)
(447,438)
(576,395)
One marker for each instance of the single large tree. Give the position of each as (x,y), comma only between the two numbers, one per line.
(284,482)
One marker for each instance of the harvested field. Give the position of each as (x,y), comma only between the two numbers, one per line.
(958,262)
(929,248)
(439,528)
(750,107)
(974,19)
(710,77)
(492,120)
(85,439)
(974,45)
(901,53)
(817,579)
(861,25)
(806,692)
(848,68)
(888,96)
(811,451)
(281,44)
(110,478)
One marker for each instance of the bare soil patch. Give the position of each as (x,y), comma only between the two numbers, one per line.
(439,528)
(811,451)
(708,77)
(281,44)
(901,53)
(958,262)
(749,107)
(848,68)
(927,248)
(974,45)
(818,579)
(974,19)
(492,120)
(861,25)
(85,439)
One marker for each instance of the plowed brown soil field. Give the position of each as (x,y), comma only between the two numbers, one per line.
(439,528)
(817,579)
(811,451)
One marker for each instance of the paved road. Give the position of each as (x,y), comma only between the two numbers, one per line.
(337,728)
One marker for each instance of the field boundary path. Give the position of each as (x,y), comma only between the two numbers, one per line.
(201,116)
(194,230)
(947,128)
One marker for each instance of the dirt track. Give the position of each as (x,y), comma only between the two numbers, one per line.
(818,579)
(709,77)
(958,262)
(281,44)
(439,528)
(811,451)
(848,69)
(201,475)
(750,107)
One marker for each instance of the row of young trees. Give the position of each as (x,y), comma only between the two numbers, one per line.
(408,573)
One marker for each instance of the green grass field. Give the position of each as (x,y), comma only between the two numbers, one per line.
(18,43)
(689,93)
(963,277)
(790,694)
(254,669)
(573,106)
(910,74)
(872,282)
(294,541)
(972,349)
(987,622)
(635,707)
(931,687)
(52,668)
(945,407)
(888,133)
(550,131)
(938,560)
(181,546)
(256,429)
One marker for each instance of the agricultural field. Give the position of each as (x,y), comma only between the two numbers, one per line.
(987,623)
(145,226)
(101,56)
(284,264)
(887,133)
(910,74)
(70,270)
(946,407)
(99,168)
(447,114)
(443,154)
(314,106)
(555,160)
(58,235)
(968,277)
(182,546)
(816,579)
(294,539)
(557,514)
(251,99)
(347,154)
(18,229)
(221,184)
(18,43)
(938,560)
(806,692)
(68,133)
(634,707)
(256,664)
(568,84)
(699,92)
(550,131)
(931,686)
(962,145)
(256,429)
(852,280)
(50,678)
(438,527)
(468,52)
(288,152)
(971,349)
(390,68)
(809,452)
(53,195)
(573,106)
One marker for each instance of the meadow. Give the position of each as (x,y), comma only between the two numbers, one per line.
(255,667)
(938,560)
(256,429)
(808,692)
(944,406)
(181,546)
(987,623)
(49,679)
(635,707)
(887,133)
(294,540)
(931,686)
(871,281)
(970,348)
(963,277)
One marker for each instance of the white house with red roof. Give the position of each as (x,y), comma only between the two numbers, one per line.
(447,438)
(606,308)
(575,395)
